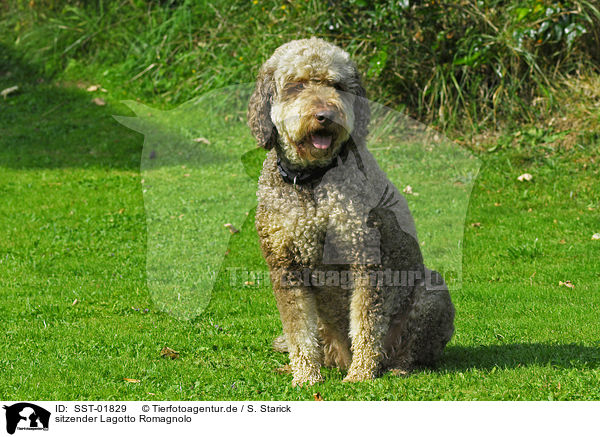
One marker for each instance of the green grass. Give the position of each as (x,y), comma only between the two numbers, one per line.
(73,227)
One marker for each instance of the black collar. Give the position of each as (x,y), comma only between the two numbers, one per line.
(304,176)
(307,176)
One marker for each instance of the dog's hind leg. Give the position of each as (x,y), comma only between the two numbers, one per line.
(429,324)
(280,345)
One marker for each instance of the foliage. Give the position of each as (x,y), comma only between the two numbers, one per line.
(478,60)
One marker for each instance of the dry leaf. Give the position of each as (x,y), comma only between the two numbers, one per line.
(408,190)
(5,92)
(93,88)
(75,302)
(201,140)
(476,225)
(131,380)
(231,228)
(98,101)
(525,177)
(596,237)
(399,372)
(317,396)
(568,284)
(167,352)
(284,369)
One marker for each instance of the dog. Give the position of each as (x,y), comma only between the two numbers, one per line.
(338,237)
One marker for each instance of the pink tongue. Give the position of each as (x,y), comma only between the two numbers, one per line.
(321,142)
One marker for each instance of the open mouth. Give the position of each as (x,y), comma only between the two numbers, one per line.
(321,140)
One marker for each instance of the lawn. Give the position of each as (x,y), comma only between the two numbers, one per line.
(79,237)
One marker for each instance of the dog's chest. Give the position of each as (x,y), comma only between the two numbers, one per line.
(320,226)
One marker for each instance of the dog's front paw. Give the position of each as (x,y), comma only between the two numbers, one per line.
(358,376)
(306,377)
(365,372)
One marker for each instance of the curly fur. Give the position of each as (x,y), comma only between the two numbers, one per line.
(333,246)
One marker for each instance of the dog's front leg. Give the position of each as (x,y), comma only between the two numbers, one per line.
(368,326)
(298,311)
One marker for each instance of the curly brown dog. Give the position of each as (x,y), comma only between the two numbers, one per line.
(338,237)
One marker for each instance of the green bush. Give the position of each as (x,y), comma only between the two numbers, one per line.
(447,62)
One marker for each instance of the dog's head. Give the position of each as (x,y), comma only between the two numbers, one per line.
(308,103)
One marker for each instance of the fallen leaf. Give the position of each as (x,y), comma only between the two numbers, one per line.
(497,204)
(93,88)
(596,237)
(476,225)
(231,228)
(201,140)
(131,380)
(284,369)
(531,278)
(167,352)
(525,177)
(408,190)
(317,396)
(98,101)
(5,92)
(75,302)
(568,284)
(399,372)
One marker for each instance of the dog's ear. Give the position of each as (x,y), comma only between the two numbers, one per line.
(362,113)
(259,110)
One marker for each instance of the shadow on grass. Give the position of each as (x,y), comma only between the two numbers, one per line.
(461,358)
(48,125)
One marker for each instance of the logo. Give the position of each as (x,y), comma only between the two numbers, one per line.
(25,416)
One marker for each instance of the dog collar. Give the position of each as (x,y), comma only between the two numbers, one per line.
(303,177)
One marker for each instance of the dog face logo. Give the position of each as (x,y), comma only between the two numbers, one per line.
(25,416)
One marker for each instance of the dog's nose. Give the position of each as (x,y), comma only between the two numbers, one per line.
(325,117)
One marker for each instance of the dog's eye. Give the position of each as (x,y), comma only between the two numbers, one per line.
(294,87)
(338,86)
